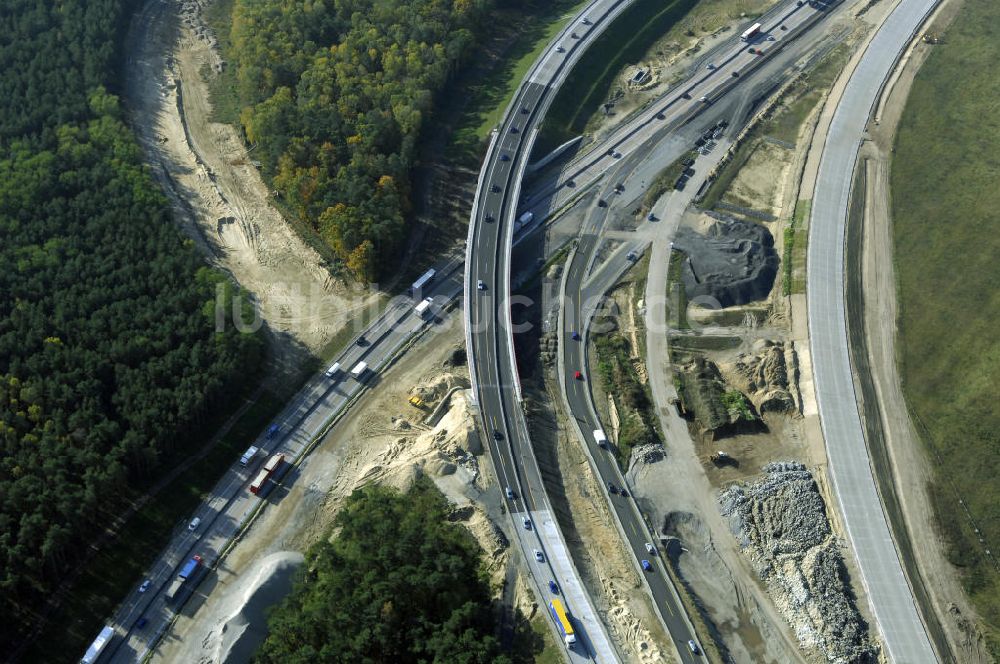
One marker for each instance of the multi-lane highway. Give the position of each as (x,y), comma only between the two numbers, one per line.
(898,619)
(489,337)
(495,212)
(143,618)
(782,26)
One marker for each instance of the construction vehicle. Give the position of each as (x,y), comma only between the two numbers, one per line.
(417,402)
(932,38)
(720,458)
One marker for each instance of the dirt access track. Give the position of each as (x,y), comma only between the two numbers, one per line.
(217,195)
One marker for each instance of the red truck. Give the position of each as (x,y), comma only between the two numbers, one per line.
(266,472)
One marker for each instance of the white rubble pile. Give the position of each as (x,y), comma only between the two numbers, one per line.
(781,525)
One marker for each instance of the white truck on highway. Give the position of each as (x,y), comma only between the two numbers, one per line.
(333,370)
(424,308)
(600,438)
(359,370)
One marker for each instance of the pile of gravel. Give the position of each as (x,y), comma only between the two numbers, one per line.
(734,263)
(781,525)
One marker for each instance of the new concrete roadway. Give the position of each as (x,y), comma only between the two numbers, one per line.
(231,506)
(892,601)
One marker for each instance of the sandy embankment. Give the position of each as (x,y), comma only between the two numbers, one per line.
(240,623)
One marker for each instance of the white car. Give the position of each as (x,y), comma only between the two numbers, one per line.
(480,285)
(650,547)
(539,557)
(145,585)
(694,647)
(526,522)
(195,522)
(709,66)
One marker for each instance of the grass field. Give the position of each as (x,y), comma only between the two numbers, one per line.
(485,88)
(624,41)
(793,260)
(946,231)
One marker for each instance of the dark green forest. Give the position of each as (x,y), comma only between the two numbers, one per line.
(399,583)
(109,356)
(335,93)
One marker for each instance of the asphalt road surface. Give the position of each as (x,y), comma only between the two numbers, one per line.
(730,63)
(495,382)
(231,505)
(895,610)
(494,222)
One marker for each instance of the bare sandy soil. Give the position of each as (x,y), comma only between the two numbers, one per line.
(218,195)
(682,490)
(382,440)
(761,182)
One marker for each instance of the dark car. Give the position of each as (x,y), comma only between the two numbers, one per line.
(495,189)
(553,587)
(575,335)
(578,375)
(736,74)
(497,435)
(525,110)
(612,488)
(504,157)
(513,129)
(646,566)
(488,217)
(661,116)
(141,622)
(602,203)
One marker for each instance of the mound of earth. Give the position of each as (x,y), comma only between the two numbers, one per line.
(763,375)
(781,525)
(242,621)
(713,404)
(733,263)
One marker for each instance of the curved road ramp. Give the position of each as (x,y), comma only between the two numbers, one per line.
(892,602)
